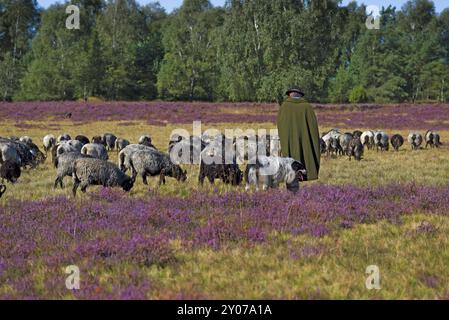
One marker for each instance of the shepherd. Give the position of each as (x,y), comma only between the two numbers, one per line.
(298,133)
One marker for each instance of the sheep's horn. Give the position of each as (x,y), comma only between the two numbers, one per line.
(2,189)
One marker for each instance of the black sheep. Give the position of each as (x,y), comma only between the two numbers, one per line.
(397,141)
(10,171)
(355,149)
(228,173)
(83,139)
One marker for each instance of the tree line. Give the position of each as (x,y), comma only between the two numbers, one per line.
(247,50)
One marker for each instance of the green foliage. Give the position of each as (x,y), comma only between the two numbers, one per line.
(245,51)
(358,95)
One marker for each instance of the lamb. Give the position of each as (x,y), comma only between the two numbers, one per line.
(125,155)
(355,149)
(272,170)
(152,163)
(48,142)
(415,139)
(90,171)
(83,139)
(10,171)
(381,141)
(95,150)
(367,139)
(121,144)
(64,137)
(432,139)
(397,141)
(64,164)
(109,141)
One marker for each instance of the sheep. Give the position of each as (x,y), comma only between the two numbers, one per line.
(397,141)
(344,140)
(64,137)
(9,153)
(91,171)
(48,142)
(10,171)
(121,144)
(97,140)
(216,166)
(381,141)
(367,139)
(272,170)
(192,146)
(2,189)
(65,147)
(228,173)
(125,155)
(95,150)
(357,134)
(432,139)
(355,149)
(64,164)
(152,163)
(415,139)
(21,153)
(83,139)
(322,146)
(109,141)
(331,139)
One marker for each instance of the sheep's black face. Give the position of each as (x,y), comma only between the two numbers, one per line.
(128,184)
(300,171)
(236,176)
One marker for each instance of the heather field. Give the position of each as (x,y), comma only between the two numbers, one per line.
(182,241)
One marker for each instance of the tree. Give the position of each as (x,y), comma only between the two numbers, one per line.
(19,20)
(189,69)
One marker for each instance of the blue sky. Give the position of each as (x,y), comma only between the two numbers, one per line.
(171,4)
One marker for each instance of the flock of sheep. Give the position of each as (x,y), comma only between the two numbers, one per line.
(86,161)
(353,144)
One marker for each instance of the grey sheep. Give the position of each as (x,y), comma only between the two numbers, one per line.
(48,142)
(121,144)
(367,139)
(415,139)
(124,155)
(26,140)
(381,141)
(344,140)
(152,163)
(64,164)
(95,151)
(432,139)
(355,149)
(91,171)
(109,141)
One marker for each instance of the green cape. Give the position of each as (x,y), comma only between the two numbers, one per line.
(298,131)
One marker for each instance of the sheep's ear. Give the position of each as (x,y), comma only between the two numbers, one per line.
(296,165)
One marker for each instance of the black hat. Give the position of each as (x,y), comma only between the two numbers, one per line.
(295,89)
